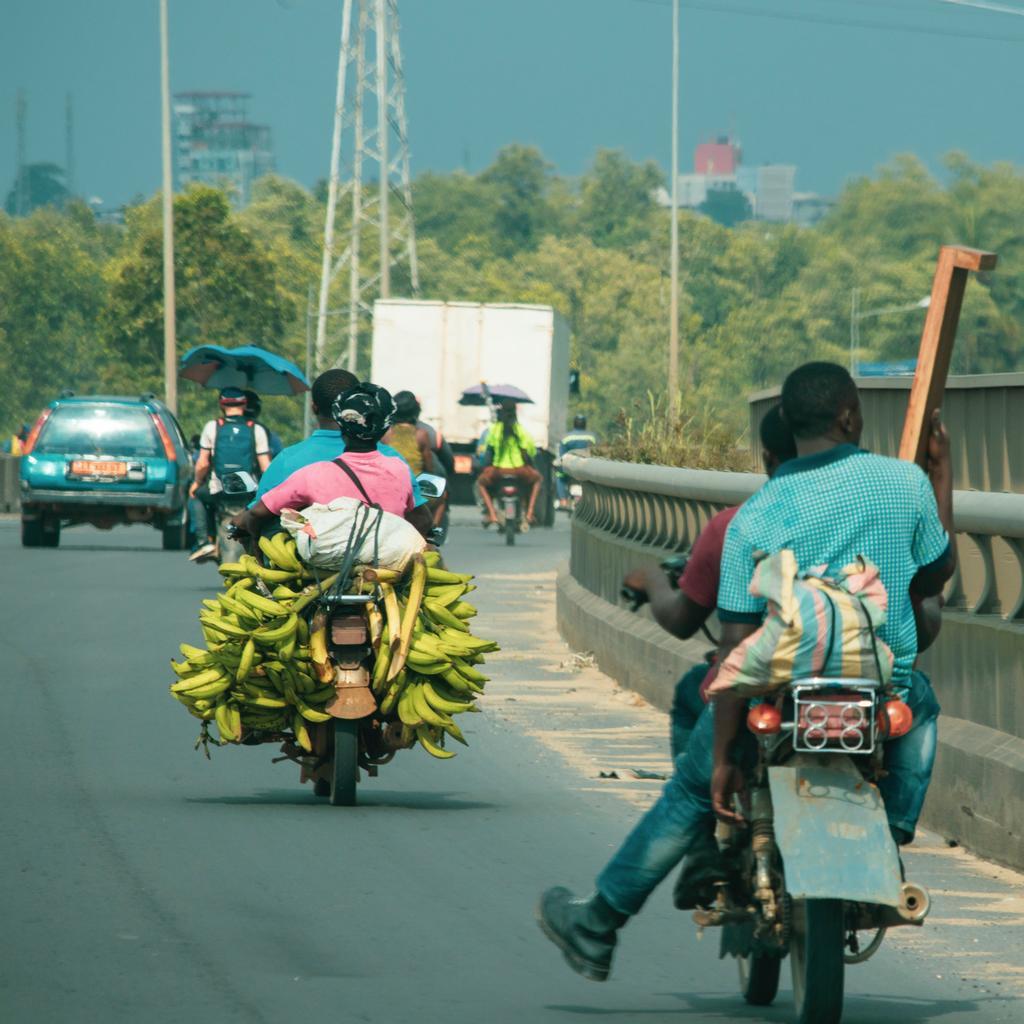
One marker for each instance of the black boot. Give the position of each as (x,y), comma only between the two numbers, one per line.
(702,868)
(584,930)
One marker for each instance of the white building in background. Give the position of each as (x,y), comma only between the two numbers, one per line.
(773,195)
(216,144)
(769,188)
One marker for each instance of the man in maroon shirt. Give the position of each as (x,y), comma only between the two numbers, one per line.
(682,612)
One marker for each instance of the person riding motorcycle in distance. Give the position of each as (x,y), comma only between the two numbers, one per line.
(422,446)
(510,451)
(406,436)
(326,441)
(232,443)
(363,414)
(579,439)
(829,506)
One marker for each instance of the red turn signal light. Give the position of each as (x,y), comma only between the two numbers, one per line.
(764,719)
(898,717)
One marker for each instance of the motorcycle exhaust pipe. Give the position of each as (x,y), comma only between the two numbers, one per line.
(914,903)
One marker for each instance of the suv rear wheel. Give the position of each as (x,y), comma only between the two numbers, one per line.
(40,533)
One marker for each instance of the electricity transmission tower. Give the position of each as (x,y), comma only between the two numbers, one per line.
(369,137)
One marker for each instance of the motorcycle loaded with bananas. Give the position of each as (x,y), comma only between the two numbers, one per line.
(343,669)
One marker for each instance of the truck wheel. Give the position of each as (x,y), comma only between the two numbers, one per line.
(175,536)
(759,978)
(345,763)
(816,958)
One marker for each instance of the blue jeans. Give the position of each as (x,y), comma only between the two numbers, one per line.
(665,833)
(687,707)
(561,486)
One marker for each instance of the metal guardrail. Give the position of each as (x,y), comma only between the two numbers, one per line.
(10,493)
(631,512)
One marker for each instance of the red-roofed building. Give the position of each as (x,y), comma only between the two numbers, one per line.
(718,159)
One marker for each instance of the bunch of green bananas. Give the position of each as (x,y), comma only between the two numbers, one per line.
(256,672)
(267,666)
(425,668)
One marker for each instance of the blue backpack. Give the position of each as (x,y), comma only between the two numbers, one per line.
(234,447)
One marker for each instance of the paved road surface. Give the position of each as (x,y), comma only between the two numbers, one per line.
(141,883)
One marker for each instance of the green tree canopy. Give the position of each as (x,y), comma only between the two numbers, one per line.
(81,303)
(225,283)
(519,177)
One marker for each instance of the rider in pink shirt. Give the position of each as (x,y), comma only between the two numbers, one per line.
(385,479)
(363,413)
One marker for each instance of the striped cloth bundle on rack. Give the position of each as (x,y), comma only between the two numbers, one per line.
(816,625)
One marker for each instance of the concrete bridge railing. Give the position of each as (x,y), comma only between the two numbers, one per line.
(632,515)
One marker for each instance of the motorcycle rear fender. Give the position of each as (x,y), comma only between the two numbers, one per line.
(832,832)
(353,697)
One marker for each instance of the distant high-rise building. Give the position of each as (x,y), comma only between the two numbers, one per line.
(718,171)
(774,197)
(216,144)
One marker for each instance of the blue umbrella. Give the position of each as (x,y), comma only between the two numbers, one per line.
(249,366)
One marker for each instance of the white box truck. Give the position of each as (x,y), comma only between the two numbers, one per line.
(438,349)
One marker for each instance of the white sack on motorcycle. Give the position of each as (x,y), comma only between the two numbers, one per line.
(815,626)
(323,532)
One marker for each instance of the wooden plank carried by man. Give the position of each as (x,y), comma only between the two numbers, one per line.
(937,339)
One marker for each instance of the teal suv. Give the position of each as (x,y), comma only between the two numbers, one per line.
(105,460)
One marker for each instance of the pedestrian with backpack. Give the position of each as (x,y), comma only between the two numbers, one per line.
(232,443)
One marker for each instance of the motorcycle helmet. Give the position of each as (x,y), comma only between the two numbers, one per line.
(232,398)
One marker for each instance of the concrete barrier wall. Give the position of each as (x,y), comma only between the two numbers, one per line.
(977,667)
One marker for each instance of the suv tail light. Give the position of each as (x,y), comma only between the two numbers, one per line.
(33,436)
(165,438)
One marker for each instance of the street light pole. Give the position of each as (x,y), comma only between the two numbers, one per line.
(854,326)
(170,340)
(307,411)
(673,312)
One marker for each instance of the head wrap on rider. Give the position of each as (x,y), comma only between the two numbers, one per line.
(364,412)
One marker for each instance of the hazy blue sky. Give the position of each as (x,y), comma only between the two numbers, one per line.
(834,86)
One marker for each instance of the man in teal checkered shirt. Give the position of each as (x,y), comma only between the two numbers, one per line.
(830,504)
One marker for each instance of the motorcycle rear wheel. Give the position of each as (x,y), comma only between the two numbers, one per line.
(228,548)
(816,946)
(511,529)
(759,978)
(344,763)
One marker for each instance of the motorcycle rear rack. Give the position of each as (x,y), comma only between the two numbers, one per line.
(834,716)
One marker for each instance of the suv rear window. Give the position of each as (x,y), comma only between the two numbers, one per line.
(100,429)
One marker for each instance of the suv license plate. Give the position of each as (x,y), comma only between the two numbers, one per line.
(88,467)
